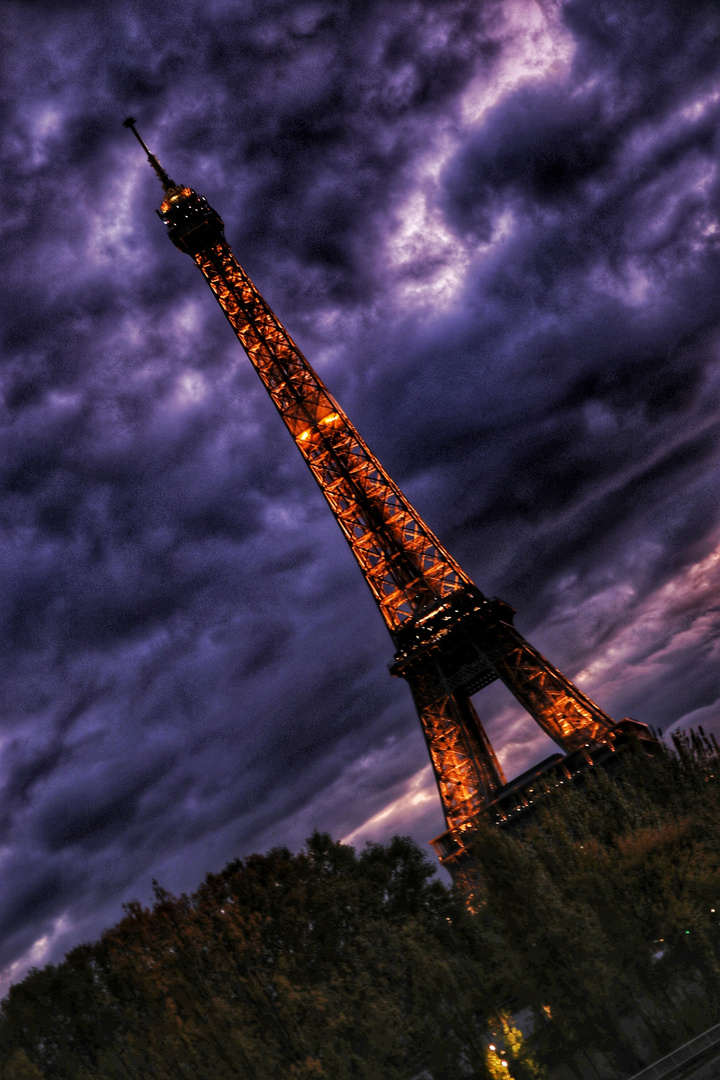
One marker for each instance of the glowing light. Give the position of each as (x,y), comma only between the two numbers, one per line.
(304,435)
(172,196)
(330,418)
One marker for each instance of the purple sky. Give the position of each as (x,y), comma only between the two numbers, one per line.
(494,230)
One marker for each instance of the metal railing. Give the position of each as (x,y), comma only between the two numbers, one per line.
(666,1067)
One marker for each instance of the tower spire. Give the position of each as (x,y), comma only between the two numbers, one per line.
(163,177)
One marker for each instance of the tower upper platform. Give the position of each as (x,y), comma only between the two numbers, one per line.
(192,224)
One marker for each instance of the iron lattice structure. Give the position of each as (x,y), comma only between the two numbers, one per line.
(451,640)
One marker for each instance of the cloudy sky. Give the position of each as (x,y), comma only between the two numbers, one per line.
(494,230)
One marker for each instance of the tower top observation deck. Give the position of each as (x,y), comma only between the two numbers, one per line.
(192,224)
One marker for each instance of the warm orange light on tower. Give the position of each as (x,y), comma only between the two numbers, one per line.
(451,640)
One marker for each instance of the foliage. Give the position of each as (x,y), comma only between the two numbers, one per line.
(508,1057)
(332,963)
(608,907)
(322,964)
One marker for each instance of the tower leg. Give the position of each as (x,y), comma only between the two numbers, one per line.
(564,713)
(493,776)
(466,769)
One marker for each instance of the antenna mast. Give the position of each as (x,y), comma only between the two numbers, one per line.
(163,177)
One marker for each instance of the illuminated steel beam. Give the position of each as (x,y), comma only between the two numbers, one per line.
(451,640)
(404,564)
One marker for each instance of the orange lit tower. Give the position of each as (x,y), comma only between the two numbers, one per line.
(451,640)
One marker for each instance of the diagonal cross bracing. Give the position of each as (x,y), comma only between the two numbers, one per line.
(451,640)
(402,560)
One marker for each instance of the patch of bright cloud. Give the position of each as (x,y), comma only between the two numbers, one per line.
(420,792)
(427,260)
(681,616)
(697,108)
(190,389)
(112,224)
(36,955)
(44,125)
(536,46)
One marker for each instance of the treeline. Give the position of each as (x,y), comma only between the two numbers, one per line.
(608,910)
(603,919)
(321,964)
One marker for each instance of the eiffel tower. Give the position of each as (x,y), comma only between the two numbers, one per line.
(450,639)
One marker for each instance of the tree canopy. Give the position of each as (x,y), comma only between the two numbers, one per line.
(601,921)
(608,906)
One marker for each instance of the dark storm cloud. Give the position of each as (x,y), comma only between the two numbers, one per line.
(193,666)
(606,294)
